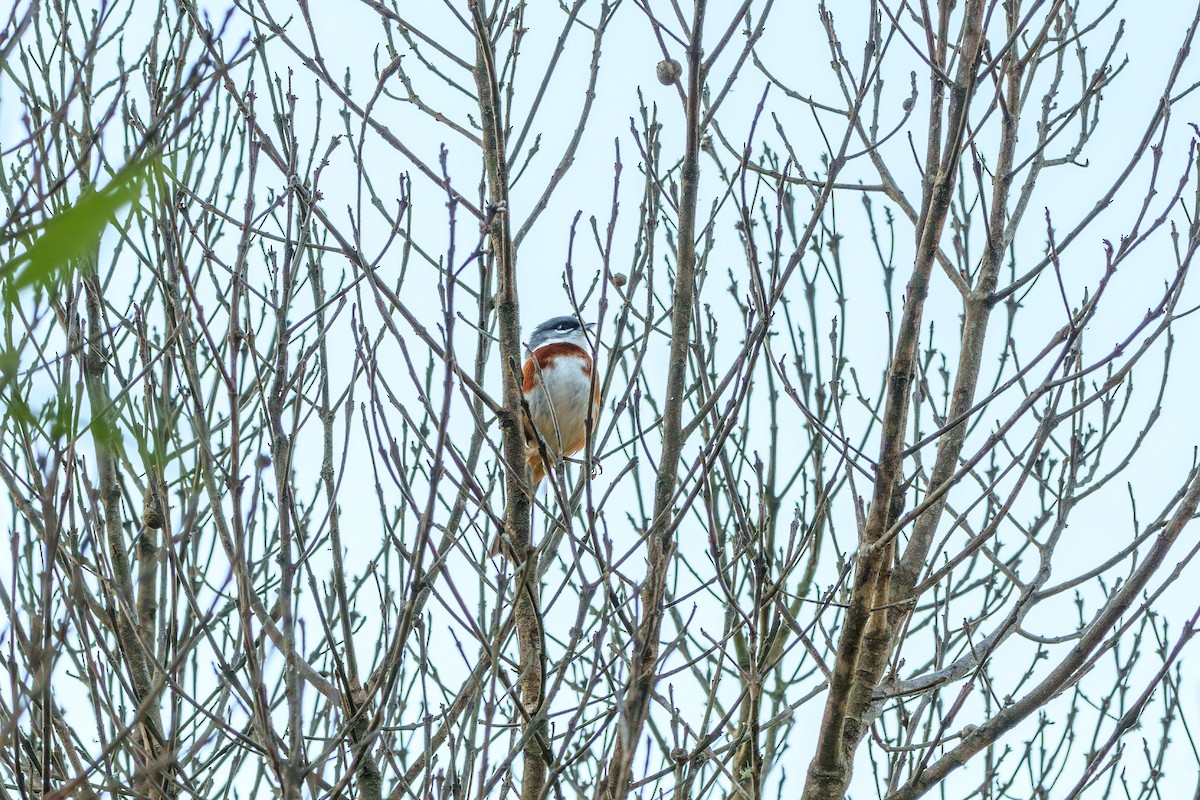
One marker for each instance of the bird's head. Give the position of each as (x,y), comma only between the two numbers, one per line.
(559,329)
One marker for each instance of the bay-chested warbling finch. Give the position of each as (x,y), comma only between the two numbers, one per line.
(559,391)
(559,394)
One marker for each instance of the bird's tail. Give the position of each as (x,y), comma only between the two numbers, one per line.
(536,467)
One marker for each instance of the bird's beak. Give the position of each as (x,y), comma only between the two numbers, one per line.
(591,326)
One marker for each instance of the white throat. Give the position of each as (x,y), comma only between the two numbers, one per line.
(574,337)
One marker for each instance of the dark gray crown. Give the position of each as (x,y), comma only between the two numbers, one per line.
(553,328)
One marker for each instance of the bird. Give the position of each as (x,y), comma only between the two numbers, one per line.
(559,392)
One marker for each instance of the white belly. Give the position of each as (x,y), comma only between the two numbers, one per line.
(565,388)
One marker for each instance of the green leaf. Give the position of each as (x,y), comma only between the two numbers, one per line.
(9,361)
(61,416)
(74,230)
(17,411)
(106,435)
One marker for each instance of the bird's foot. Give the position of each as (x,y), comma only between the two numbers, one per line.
(594,467)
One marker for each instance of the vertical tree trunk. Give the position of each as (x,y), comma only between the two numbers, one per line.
(866,639)
(526,611)
(661,539)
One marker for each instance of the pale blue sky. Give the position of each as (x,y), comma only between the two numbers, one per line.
(795,50)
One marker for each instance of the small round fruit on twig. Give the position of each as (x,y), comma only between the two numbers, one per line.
(152,512)
(668,71)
